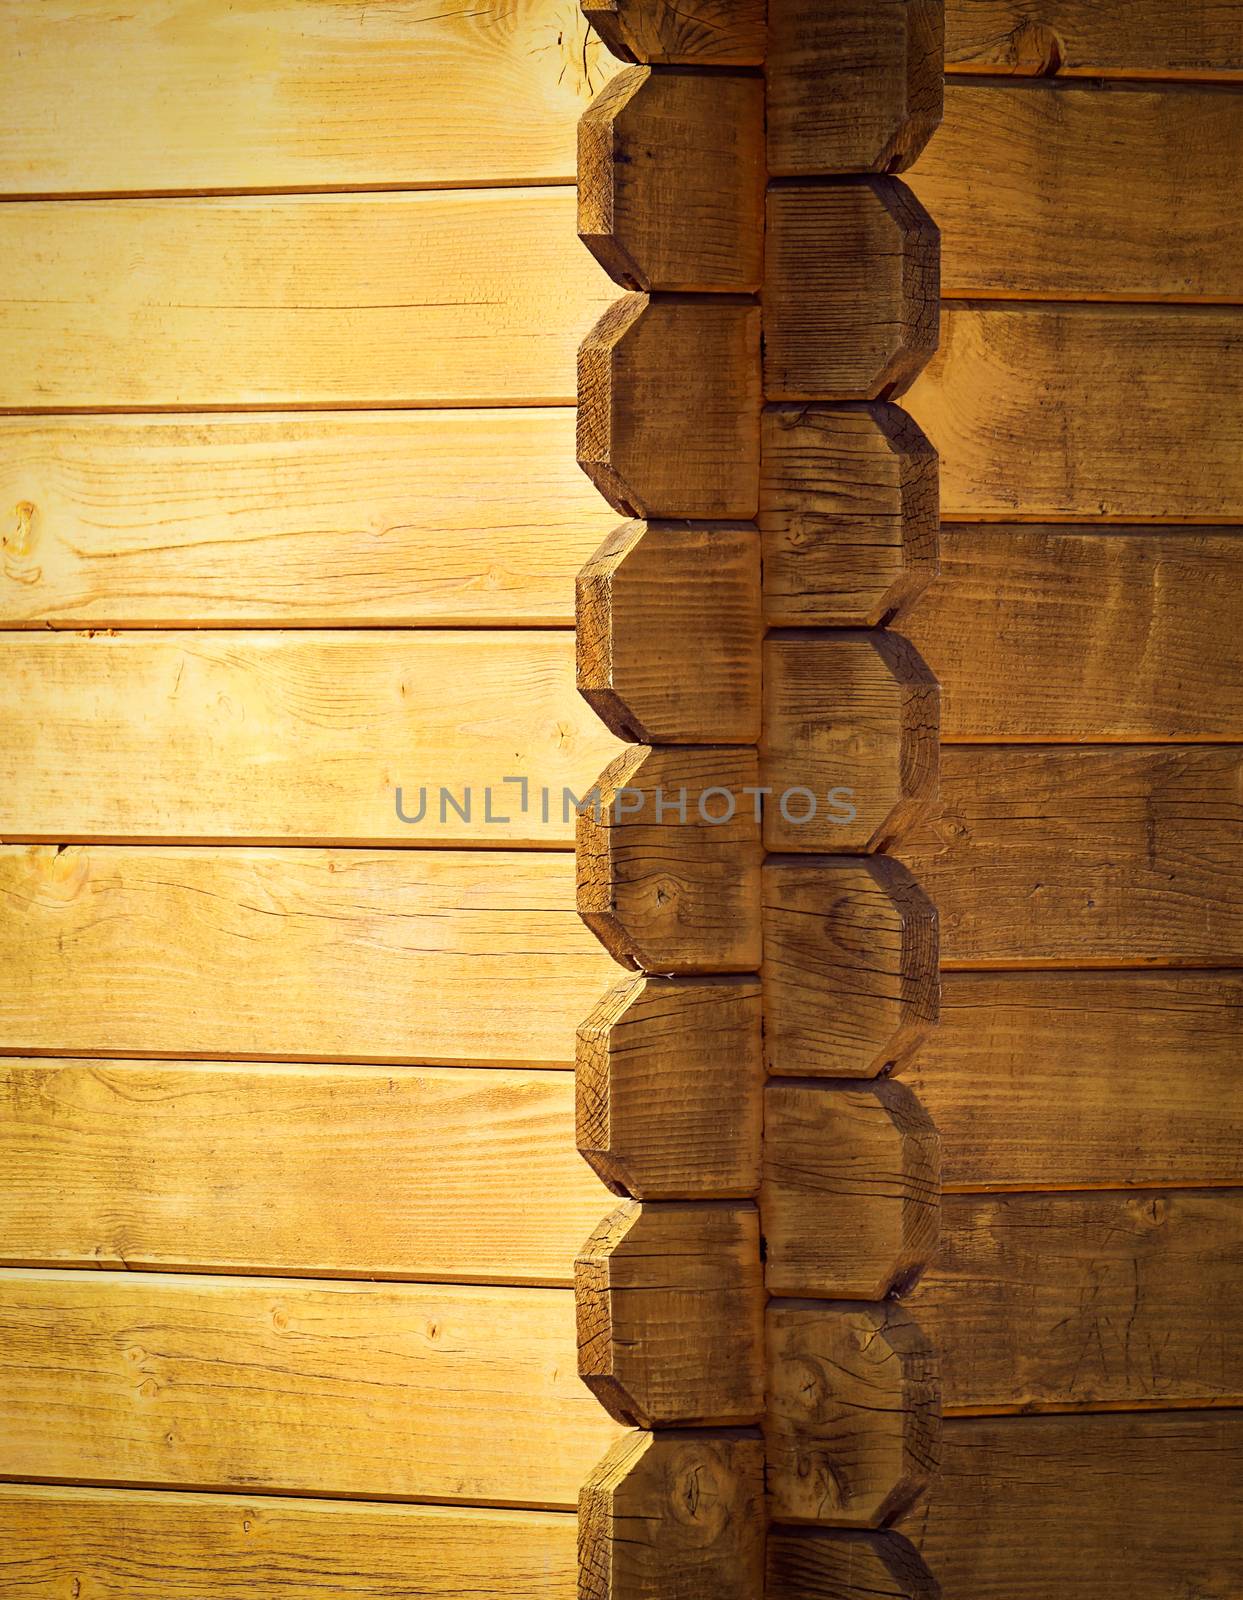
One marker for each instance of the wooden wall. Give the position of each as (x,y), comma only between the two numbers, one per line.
(287,1159)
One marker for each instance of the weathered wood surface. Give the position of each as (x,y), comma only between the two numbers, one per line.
(446,957)
(1062,1301)
(405,517)
(1042,411)
(466,297)
(342,737)
(1107,856)
(1062,191)
(668,860)
(845,1564)
(132,1544)
(669,1079)
(671,180)
(851,290)
(852,87)
(669,406)
(1086,1508)
(669,632)
(1058,633)
(850,965)
(848,514)
(849,746)
(670,1304)
(852,1429)
(443,1174)
(291,93)
(708,33)
(674,1513)
(852,1185)
(1069,1080)
(1032,38)
(369,1390)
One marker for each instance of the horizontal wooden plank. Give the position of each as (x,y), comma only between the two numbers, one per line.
(443,1174)
(1052,633)
(372,737)
(1047,412)
(1061,191)
(1148,39)
(133,1544)
(1080,856)
(461,517)
(289,93)
(453,958)
(1086,1508)
(470,297)
(1068,1080)
(370,1390)
(1052,1301)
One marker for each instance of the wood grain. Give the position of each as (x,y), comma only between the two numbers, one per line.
(467,297)
(669,632)
(1037,37)
(669,406)
(132,1544)
(1132,1489)
(1068,1080)
(668,857)
(852,87)
(1107,856)
(1058,1301)
(344,737)
(351,1389)
(852,1189)
(852,1430)
(849,746)
(443,1174)
(674,1513)
(670,1305)
(671,180)
(473,518)
(1040,412)
(850,965)
(851,290)
(849,509)
(291,93)
(1060,633)
(1101,192)
(669,1081)
(710,33)
(440,957)
(846,1564)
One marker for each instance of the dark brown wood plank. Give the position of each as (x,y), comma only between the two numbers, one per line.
(1101,856)
(1087,1301)
(1078,1080)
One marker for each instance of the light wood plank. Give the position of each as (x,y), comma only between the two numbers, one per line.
(1150,39)
(443,1174)
(1079,856)
(286,93)
(1069,192)
(344,737)
(471,297)
(1051,1301)
(1085,1079)
(1045,412)
(1086,1508)
(475,957)
(132,1544)
(461,517)
(1057,633)
(453,1394)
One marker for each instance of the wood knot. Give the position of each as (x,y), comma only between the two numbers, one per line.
(1036,50)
